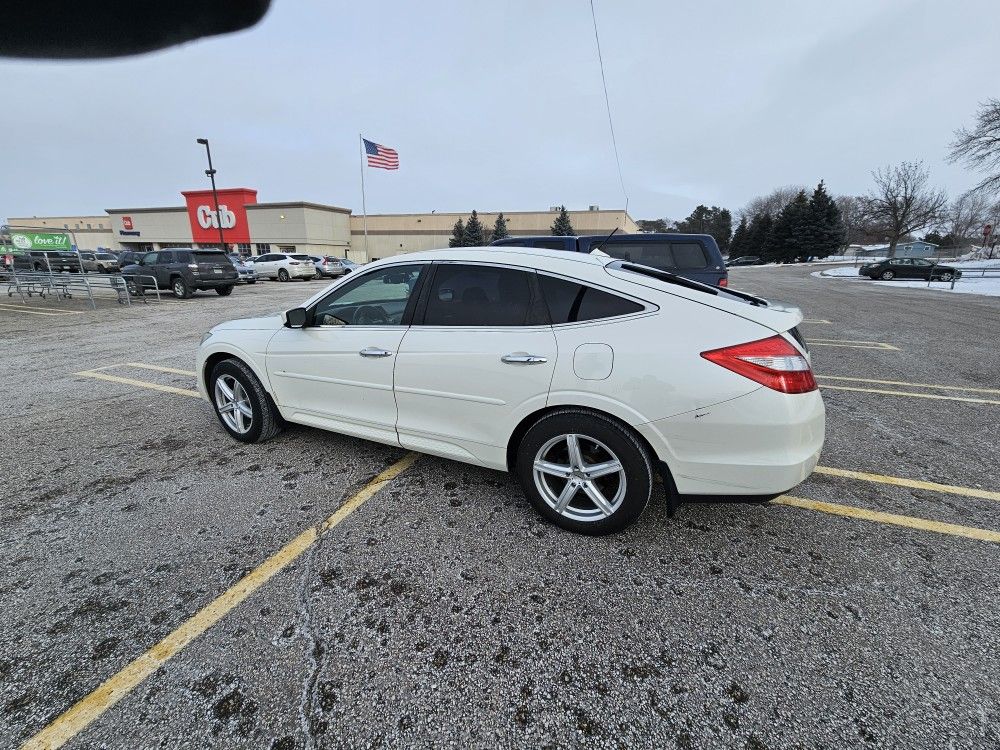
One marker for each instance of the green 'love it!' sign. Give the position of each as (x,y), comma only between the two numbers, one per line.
(40,240)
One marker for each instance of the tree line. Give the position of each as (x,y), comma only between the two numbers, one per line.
(472,233)
(788,223)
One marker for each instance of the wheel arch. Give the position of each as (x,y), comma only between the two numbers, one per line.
(525,424)
(232,353)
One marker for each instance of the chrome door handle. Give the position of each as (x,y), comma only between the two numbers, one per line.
(374,351)
(522,359)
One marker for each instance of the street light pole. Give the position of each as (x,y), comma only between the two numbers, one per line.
(215,194)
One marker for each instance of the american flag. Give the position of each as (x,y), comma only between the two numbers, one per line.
(381,156)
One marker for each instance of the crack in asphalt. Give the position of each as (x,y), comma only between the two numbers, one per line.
(314,651)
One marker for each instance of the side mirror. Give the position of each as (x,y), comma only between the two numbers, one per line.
(295,318)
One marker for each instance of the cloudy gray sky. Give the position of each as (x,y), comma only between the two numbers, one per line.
(498,106)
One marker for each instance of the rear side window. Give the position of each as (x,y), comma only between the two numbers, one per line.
(462,295)
(688,255)
(570,302)
(664,255)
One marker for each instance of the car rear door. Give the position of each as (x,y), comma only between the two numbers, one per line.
(478,359)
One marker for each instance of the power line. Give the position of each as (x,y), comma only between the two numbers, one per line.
(607,102)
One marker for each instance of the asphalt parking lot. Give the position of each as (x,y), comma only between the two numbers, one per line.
(860,612)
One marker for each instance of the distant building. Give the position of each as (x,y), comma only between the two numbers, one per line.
(914,249)
(253,228)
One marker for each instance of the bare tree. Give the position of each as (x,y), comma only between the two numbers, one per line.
(979,148)
(902,201)
(772,203)
(850,214)
(966,216)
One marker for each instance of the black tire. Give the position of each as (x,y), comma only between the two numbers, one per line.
(180,288)
(132,287)
(283,275)
(223,291)
(946,276)
(598,436)
(265,421)
(102,269)
(251,281)
(887,276)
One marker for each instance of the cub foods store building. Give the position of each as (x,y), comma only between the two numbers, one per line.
(254,228)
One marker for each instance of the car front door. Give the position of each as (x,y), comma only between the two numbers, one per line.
(262,265)
(148,277)
(337,373)
(477,360)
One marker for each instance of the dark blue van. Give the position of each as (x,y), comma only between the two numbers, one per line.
(694,256)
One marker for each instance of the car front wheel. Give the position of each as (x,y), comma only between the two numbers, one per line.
(241,403)
(887,276)
(584,472)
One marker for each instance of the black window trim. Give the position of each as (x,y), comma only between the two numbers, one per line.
(535,305)
(648,307)
(352,280)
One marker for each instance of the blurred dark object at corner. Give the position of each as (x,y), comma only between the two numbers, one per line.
(112,28)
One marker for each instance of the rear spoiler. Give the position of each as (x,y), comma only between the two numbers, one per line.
(673,278)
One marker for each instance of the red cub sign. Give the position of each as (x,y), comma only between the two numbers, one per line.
(232,211)
(127,223)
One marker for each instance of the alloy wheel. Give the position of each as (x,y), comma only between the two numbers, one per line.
(579,477)
(233,404)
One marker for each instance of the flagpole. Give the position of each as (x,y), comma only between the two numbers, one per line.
(364,208)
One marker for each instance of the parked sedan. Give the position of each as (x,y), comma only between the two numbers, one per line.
(540,364)
(99,262)
(909,268)
(245,270)
(746,260)
(328,266)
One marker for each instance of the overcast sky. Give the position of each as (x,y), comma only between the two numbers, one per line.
(499,106)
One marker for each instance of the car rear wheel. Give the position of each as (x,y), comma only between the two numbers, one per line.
(282,275)
(251,281)
(242,405)
(584,472)
(887,276)
(181,289)
(223,291)
(946,276)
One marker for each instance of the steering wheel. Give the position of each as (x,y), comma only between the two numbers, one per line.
(370,315)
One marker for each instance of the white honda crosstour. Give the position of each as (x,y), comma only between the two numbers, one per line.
(584,375)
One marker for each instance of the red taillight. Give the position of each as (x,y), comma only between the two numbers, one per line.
(724,281)
(772,362)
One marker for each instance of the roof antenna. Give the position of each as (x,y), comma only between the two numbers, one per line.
(598,248)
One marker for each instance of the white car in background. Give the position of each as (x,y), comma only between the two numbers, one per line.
(585,376)
(283,266)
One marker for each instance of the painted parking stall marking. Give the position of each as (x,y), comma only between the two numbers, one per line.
(839,383)
(850,344)
(34,311)
(112,690)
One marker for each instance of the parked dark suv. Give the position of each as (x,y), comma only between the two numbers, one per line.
(693,256)
(55,261)
(182,270)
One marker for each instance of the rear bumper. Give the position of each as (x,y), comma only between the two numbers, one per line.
(762,443)
(303,271)
(213,283)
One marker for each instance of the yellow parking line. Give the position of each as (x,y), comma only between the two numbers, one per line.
(160,368)
(885,392)
(848,344)
(112,690)
(139,383)
(911,385)
(910,522)
(916,484)
(26,311)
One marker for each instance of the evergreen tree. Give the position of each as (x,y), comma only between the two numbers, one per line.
(825,233)
(562,226)
(499,229)
(757,233)
(736,245)
(475,236)
(791,233)
(457,235)
(715,221)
